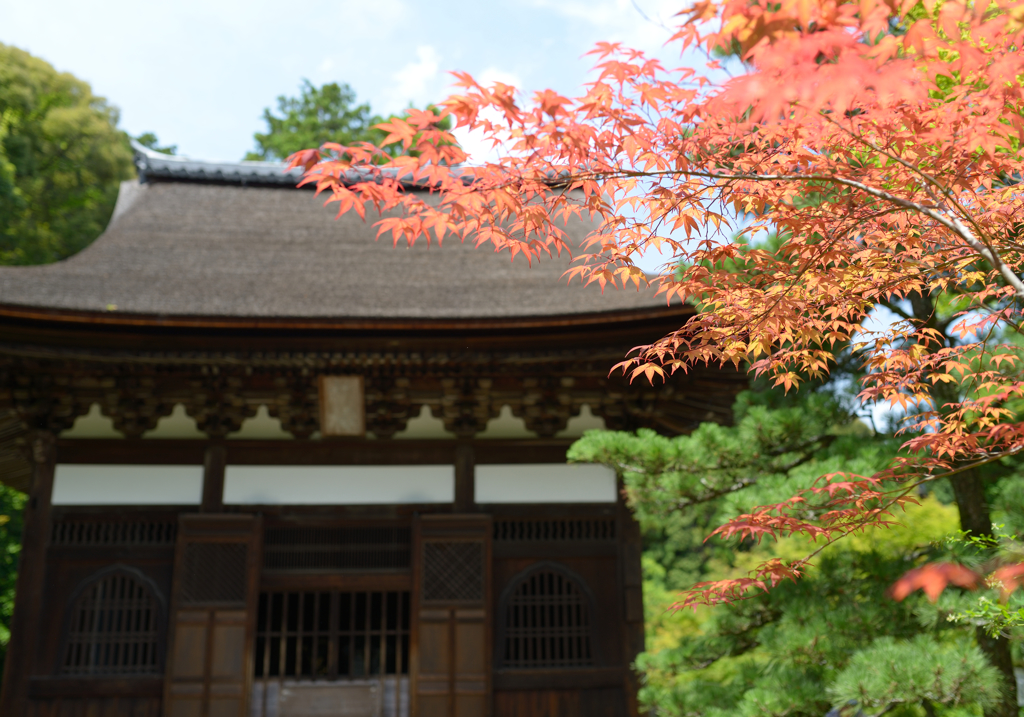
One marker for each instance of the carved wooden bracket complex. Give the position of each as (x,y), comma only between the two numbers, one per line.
(220,394)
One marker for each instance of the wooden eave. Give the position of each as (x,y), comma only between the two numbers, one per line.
(116,331)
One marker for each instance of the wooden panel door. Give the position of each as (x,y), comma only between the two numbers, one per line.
(213,615)
(452,654)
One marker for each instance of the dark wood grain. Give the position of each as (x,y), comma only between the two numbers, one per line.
(601,702)
(116,706)
(214,465)
(30,597)
(583,678)
(377,581)
(337,451)
(95,687)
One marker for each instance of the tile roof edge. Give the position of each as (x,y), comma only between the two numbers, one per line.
(157,165)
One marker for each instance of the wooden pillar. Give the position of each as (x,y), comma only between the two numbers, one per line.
(631,576)
(213,478)
(28,600)
(465,462)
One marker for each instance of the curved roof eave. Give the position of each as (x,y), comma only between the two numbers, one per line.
(114,319)
(189,253)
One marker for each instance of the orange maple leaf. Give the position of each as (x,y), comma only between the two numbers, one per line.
(933,579)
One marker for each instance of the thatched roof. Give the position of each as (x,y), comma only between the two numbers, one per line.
(202,239)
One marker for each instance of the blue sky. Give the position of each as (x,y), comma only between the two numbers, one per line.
(200,72)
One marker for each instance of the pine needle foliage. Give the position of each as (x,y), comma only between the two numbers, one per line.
(805,647)
(892,672)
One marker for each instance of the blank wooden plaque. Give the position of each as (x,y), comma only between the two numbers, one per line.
(342,408)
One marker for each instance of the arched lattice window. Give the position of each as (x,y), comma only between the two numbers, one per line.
(546,615)
(114,627)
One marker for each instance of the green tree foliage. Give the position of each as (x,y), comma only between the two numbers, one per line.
(891,672)
(11,504)
(149,140)
(62,158)
(318,115)
(835,639)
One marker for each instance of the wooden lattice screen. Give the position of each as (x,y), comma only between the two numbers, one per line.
(453,572)
(113,629)
(561,530)
(332,634)
(546,623)
(214,574)
(92,533)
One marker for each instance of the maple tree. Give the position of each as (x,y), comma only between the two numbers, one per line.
(878,141)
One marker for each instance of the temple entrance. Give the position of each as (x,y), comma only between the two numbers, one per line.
(332,653)
(380,697)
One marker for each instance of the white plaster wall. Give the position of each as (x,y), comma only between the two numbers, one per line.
(177,425)
(79,484)
(338,485)
(545,483)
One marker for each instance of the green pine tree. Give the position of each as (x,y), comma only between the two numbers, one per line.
(320,114)
(804,648)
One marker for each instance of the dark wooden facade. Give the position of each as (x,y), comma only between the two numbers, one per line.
(218,609)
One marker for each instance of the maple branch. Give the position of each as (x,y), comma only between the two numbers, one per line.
(866,521)
(929,179)
(739,485)
(953,223)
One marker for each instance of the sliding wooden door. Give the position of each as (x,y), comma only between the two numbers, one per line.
(213,606)
(452,654)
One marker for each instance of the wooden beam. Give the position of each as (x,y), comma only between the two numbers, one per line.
(354,582)
(631,586)
(91,687)
(302,452)
(581,678)
(213,478)
(465,498)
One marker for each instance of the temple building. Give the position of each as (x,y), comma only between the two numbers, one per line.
(279,469)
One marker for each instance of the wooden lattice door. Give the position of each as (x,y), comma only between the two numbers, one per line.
(213,606)
(452,654)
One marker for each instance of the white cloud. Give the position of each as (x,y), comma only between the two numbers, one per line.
(358,16)
(417,81)
(493,74)
(473,143)
(175,69)
(619,14)
(639,24)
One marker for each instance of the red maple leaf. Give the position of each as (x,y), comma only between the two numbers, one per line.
(933,579)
